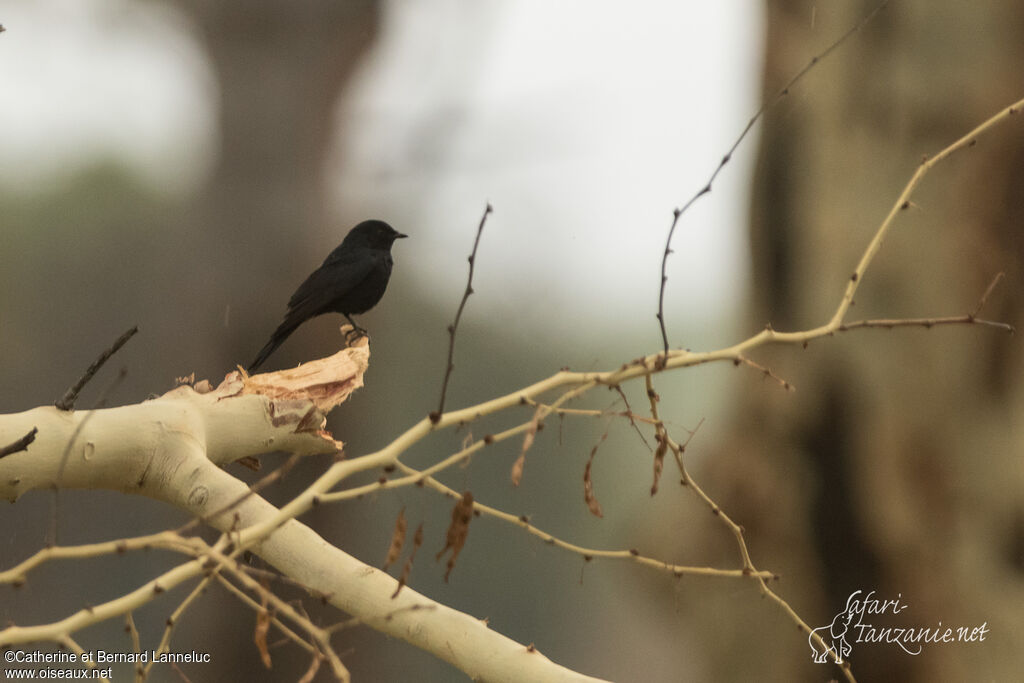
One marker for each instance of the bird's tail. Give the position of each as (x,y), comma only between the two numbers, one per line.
(280,334)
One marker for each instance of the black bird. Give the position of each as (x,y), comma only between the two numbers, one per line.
(351,280)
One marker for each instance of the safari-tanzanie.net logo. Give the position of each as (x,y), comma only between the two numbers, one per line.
(855,625)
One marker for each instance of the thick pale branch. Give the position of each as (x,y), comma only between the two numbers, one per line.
(142,448)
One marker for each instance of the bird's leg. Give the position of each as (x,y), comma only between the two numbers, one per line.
(356,332)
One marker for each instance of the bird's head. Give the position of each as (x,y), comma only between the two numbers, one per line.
(374,234)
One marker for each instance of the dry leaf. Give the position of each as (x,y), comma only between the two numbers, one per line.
(588,492)
(458,530)
(531,434)
(259,636)
(397,540)
(588,482)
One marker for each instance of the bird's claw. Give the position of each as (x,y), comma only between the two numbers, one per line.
(354,334)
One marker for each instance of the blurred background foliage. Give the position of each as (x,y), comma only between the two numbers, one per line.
(895,466)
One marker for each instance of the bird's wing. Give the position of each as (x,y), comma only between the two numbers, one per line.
(337,275)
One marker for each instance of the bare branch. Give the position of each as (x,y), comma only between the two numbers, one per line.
(706,189)
(453,328)
(67,402)
(889,323)
(988,291)
(903,203)
(766,371)
(21,444)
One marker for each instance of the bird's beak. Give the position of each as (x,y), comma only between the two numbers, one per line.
(400,236)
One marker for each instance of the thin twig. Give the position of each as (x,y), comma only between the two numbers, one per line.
(766,371)
(133,632)
(167,540)
(436,415)
(630,415)
(988,291)
(749,570)
(175,617)
(67,402)
(19,445)
(706,189)
(242,596)
(888,323)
